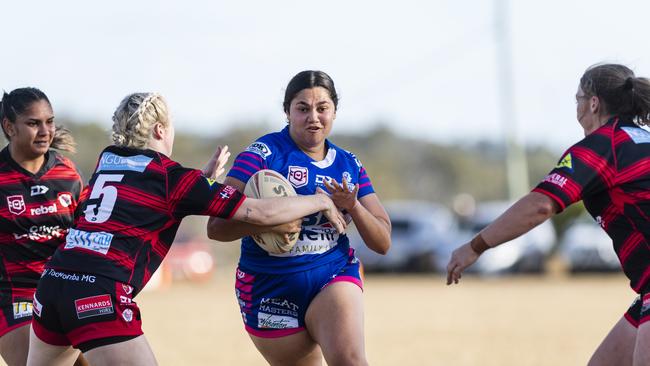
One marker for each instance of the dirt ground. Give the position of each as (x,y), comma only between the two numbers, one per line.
(411,320)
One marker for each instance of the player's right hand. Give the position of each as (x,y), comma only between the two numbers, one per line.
(461,258)
(216,166)
(334,216)
(288,230)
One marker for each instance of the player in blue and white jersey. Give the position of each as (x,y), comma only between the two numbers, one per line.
(307,303)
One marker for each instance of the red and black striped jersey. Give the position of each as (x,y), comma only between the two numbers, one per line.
(36,211)
(130,212)
(609,170)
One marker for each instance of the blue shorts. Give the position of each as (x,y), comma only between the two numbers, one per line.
(274,305)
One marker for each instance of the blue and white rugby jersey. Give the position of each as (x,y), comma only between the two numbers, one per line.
(318,243)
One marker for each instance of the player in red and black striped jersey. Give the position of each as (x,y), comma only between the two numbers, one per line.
(609,170)
(39,190)
(129,215)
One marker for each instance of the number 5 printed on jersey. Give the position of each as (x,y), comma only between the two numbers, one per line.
(98,213)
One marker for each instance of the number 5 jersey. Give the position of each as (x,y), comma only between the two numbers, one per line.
(131,210)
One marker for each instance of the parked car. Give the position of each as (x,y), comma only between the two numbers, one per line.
(528,253)
(585,247)
(418,228)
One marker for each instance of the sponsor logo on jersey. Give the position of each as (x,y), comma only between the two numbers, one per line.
(348,178)
(271,321)
(69,276)
(260,149)
(93,306)
(637,134)
(321,179)
(37,307)
(16,204)
(298,176)
(65,199)
(128,289)
(43,210)
(227,191)
(111,162)
(565,162)
(98,242)
(22,309)
(556,179)
(38,189)
(41,232)
(127,315)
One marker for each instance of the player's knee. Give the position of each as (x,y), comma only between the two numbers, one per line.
(347,358)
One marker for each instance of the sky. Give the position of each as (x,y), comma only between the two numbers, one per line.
(426,69)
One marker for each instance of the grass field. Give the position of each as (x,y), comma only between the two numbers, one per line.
(411,320)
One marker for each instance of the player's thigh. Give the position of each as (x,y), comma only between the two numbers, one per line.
(335,321)
(618,346)
(44,354)
(14,345)
(134,352)
(297,349)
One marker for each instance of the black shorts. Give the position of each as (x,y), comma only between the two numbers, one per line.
(15,315)
(639,311)
(84,310)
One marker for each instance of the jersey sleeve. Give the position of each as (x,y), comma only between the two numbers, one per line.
(365,185)
(251,160)
(585,169)
(190,193)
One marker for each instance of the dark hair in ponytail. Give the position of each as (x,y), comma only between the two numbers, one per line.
(619,90)
(18,101)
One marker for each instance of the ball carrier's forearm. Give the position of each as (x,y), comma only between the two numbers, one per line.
(373,229)
(270,212)
(231,230)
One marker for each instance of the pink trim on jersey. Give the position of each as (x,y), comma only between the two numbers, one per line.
(49,337)
(352,279)
(364,185)
(242,170)
(242,161)
(273,333)
(251,155)
(631,320)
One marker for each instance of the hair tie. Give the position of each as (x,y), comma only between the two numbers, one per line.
(629,83)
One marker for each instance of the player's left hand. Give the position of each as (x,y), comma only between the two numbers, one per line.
(461,258)
(216,166)
(343,197)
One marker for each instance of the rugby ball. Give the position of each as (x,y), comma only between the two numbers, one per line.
(268,183)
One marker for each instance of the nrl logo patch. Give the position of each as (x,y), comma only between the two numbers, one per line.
(565,162)
(16,204)
(298,176)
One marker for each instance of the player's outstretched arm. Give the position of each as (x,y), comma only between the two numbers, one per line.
(275,211)
(520,218)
